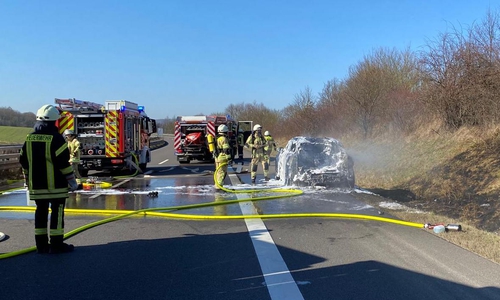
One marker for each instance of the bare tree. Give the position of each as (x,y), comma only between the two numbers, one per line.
(300,116)
(461,74)
(365,91)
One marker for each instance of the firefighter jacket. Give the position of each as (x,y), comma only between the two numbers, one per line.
(45,162)
(271,145)
(256,142)
(74,151)
(223,149)
(241,139)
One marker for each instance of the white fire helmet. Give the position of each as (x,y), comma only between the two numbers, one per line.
(68,132)
(222,129)
(257,127)
(47,113)
(267,133)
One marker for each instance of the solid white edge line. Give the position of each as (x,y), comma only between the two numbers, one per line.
(279,280)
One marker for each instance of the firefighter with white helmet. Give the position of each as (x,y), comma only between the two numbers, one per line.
(222,155)
(44,158)
(74,152)
(256,142)
(270,146)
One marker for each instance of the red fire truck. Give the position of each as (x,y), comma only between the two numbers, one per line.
(113,136)
(190,136)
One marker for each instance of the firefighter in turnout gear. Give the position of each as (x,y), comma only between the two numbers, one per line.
(74,152)
(45,162)
(270,146)
(257,143)
(240,140)
(222,154)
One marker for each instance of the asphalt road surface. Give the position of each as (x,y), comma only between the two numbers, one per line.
(177,258)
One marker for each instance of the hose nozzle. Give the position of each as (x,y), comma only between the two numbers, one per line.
(455,227)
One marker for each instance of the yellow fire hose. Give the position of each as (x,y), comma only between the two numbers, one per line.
(166,212)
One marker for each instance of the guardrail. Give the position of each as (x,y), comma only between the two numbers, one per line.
(9,157)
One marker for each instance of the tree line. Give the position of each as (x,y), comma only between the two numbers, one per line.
(10,117)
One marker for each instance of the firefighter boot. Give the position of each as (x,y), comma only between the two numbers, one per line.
(42,244)
(57,245)
(253,180)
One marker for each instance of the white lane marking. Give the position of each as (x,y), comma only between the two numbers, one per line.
(114,186)
(279,281)
(163,161)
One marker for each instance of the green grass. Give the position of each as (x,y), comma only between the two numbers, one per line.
(13,135)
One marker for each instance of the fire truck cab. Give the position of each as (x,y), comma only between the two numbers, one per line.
(190,136)
(113,136)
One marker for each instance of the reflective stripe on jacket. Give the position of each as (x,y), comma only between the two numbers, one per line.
(45,162)
(257,144)
(271,145)
(223,148)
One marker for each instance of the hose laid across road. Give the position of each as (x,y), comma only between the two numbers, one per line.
(167,212)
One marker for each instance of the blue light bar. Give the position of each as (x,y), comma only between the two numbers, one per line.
(122,108)
(140,108)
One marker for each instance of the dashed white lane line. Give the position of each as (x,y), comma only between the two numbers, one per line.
(279,281)
(161,163)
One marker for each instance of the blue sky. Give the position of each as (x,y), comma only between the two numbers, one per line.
(190,56)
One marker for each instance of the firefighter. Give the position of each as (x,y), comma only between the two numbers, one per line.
(44,158)
(270,146)
(256,142)
(241,143)
(74,152)
(222,154)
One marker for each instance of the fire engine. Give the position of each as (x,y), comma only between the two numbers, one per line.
(190,136)
(113,136)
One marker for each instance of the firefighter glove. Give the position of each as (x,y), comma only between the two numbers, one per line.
(73,185)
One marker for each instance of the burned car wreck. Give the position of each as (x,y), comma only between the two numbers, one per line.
(310,161)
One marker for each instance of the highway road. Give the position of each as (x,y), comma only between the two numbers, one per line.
(182,258)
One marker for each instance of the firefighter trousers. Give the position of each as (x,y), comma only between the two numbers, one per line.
(221,172)
(56,222)
(255,162)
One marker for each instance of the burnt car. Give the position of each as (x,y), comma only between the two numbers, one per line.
(311,161)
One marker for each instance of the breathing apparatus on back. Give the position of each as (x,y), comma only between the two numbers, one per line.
(211,143)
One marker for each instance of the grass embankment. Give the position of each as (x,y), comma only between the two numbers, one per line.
(438,176)
(13,135)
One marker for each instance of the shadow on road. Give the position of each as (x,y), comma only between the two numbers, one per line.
(215,266)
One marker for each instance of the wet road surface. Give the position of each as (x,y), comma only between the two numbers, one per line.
(296,258)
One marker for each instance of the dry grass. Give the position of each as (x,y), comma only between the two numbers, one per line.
(483,243)
(453,176)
